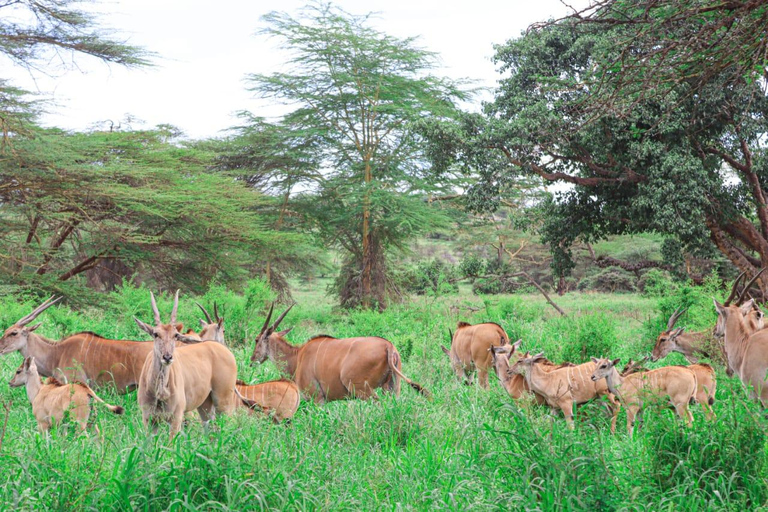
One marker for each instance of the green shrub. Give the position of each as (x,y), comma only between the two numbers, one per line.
(432,277)
(609,280)
(472,266)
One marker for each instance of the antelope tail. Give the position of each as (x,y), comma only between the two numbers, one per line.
(393,358)
(248,402)
(116,409)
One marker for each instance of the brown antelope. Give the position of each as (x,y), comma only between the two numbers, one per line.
(469,350)
(85,357)
(327,368)
(279,399)
(706,382)
(564,386)
(676,382)
(212,330)
(175,380)
(50,401)
(515,385)
(692,345)
(745,348)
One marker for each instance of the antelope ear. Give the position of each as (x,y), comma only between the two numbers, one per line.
(594,360)
(33,327)
(179,327)
(448,352)
(221,322)
(187,339)
(28,361)
(747,307)
(286,331)
(202,323)
(615,361)
(149,330)
(516,345)
(719,307)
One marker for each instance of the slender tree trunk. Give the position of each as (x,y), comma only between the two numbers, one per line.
(367,246)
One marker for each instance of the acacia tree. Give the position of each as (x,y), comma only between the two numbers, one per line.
(357,93)
(92,208)
(690,163)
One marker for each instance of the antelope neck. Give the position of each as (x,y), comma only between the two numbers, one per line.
(283,352)
(734,339)
(44,351)
(33,386)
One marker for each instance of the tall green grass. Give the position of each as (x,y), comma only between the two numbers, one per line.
(468,449)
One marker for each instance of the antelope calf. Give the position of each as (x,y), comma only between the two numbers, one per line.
(50,401)
(469,351)
(279,399)
(634,390)
(564,386)
(175,380)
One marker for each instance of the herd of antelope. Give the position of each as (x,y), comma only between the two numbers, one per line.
(179,372)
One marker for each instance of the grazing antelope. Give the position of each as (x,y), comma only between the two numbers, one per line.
(692,345)
(469,350)
(564,386)
(327,368)
(175,380)
(85,356)
(50,401)
(279,399)
(676,382)
(212,330)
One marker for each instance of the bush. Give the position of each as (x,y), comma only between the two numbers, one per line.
(656,283)
(609,280)
(472,266)
(432,277)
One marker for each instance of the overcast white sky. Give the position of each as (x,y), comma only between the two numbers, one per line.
(205,49)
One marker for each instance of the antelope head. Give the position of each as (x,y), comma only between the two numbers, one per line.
(28,368)
(748,311)
(603,368)
(163,335)
(16,336)
(212,328)
(524,364)
(667,340)
(261,349)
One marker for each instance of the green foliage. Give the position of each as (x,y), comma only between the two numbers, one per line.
(609,280)
(432,277)
(675,163)
(472,266)
(99,207)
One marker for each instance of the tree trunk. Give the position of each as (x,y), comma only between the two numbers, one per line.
(368,257)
